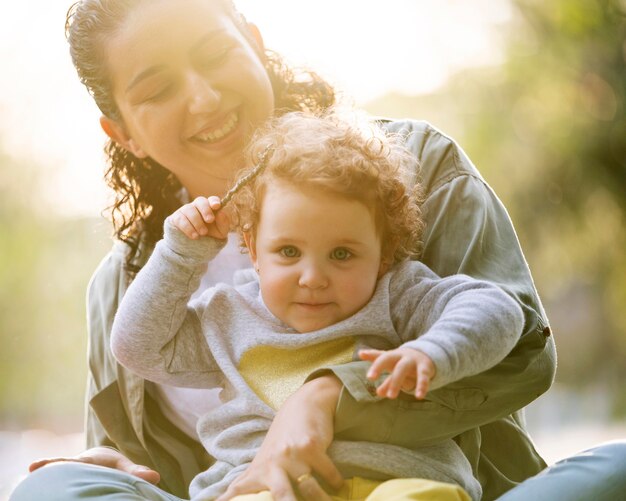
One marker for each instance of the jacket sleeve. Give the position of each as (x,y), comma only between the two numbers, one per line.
(119,412)
(104,288)
(156,333)
(468,231)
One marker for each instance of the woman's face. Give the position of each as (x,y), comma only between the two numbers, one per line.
(191,89)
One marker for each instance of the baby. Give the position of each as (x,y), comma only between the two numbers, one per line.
(329,224)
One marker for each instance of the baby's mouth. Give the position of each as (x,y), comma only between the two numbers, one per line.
(215,134)
(313,305)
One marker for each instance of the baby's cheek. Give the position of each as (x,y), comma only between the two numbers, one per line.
(357,294)
(275,291)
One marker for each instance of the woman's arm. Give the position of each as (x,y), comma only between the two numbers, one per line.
(295,446)
(467,231)
(120,413)
(104,291)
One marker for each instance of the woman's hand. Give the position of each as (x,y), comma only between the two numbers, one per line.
(104,456)
(294,449)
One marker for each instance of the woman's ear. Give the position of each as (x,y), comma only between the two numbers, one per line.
(117,132)
(248,238)
(257,37)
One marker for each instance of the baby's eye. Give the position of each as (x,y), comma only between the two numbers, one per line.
(289,251)
(340,254)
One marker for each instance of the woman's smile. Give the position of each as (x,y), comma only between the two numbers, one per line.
(192,99)
(218,130)
(221,137)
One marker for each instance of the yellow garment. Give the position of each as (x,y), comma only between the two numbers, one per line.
(399,489)
(275,373)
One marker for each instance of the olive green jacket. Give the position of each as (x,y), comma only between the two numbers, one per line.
(467,231)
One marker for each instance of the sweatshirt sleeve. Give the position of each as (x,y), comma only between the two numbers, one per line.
(155,333)
(465,326)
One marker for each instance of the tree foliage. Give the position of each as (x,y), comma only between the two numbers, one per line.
(547,129)
(554,126)
(45,263)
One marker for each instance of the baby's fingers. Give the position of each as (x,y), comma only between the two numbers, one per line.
(205,207)
(180,220)
(370,354)
(195,219)
(424,375)
(221,227)
(396,380)
(383,361)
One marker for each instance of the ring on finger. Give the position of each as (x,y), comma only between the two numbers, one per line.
(303,478)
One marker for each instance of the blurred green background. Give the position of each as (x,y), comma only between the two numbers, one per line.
(547,129)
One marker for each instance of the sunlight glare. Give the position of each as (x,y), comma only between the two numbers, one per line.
(366,48)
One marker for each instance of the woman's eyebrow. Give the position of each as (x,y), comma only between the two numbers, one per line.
(152,70)
(208,37)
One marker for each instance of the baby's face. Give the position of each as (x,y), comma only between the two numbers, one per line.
(318,256)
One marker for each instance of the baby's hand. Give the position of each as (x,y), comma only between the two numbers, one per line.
(201,218)
(409,370)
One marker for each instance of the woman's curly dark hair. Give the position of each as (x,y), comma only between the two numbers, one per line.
(145,191)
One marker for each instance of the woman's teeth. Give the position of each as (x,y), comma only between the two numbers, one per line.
(214,135)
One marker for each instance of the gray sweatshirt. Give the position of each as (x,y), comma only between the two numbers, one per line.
(227,338)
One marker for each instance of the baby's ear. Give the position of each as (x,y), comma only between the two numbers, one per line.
(248,238)
(384,267)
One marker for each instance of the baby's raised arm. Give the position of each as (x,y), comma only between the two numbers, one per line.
(155,333)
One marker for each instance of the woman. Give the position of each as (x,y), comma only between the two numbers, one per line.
(182,84)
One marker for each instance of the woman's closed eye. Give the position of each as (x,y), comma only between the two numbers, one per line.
(341,254)
(153,90)
(213,59)
(161,93)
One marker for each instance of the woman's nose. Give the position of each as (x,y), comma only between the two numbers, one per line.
(313,276)
(203,97)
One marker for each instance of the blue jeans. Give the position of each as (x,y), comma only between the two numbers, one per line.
(597,474)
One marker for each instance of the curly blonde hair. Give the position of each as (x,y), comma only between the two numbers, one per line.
(342,155)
